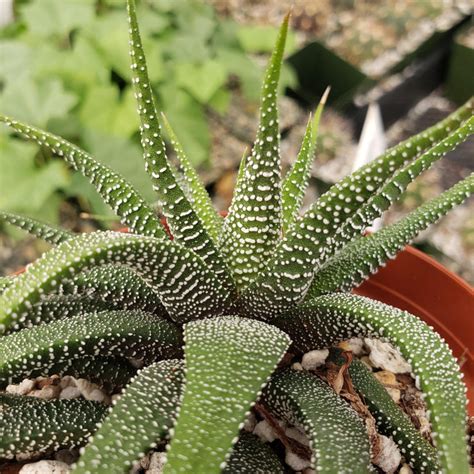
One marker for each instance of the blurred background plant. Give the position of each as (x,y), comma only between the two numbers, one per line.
(65,69)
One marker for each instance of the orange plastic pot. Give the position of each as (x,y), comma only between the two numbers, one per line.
(416,283)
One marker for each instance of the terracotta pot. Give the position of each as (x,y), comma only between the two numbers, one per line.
(416,283)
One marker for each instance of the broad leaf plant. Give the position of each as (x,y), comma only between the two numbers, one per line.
(211,312)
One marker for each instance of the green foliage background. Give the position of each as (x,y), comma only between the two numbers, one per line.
(65,68)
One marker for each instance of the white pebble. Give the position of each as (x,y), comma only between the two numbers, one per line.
(405,469)
(356,345)
(67,381)
(295,462)
(297,366)
(385,356)
(157,463)
(48,392)
(89,390)
(250,423)
(24,387)
(313,359)
(45,467)
(70,392)
(264,431)
(389,457)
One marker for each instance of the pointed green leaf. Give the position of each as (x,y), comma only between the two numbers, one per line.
(338,438)
(296,181)
(251,455)
(393,189)
(390,418)
(117,193)
(122,334)
(31,425)
(117,286)
(338,216)
(253,225)
(55,307)
(187,289)
(141,417)
(330,319)
(38,229)
(228,359)
(364,256)
(202,203)
(183,220)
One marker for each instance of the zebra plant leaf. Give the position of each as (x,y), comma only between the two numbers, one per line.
(188,289)
(228,360)
(364,256)
(337,435)
(122,334)
(142,416)
(253,225)
(330,319)
(185,224)
(250,455)
(54,307)
(204,208)
(394,187)
(295,182)
(390,419)
(316,235)
(38,229)
(117,286)
(31,425)
(121,196)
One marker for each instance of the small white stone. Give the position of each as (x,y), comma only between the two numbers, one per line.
(297,366)
(385,356)
(48,392)
(89,390)
(157,463)
(264,431)
(67,381)
(97,395)
(389,457)
(250,423)
(405,469)
(356,345)
(46,467)
(70,392)
(313,359)
(24,387)
(295,462)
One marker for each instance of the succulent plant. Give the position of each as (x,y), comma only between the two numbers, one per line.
(210,313)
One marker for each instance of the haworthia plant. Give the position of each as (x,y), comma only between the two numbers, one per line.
(240,290)
(31,425)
